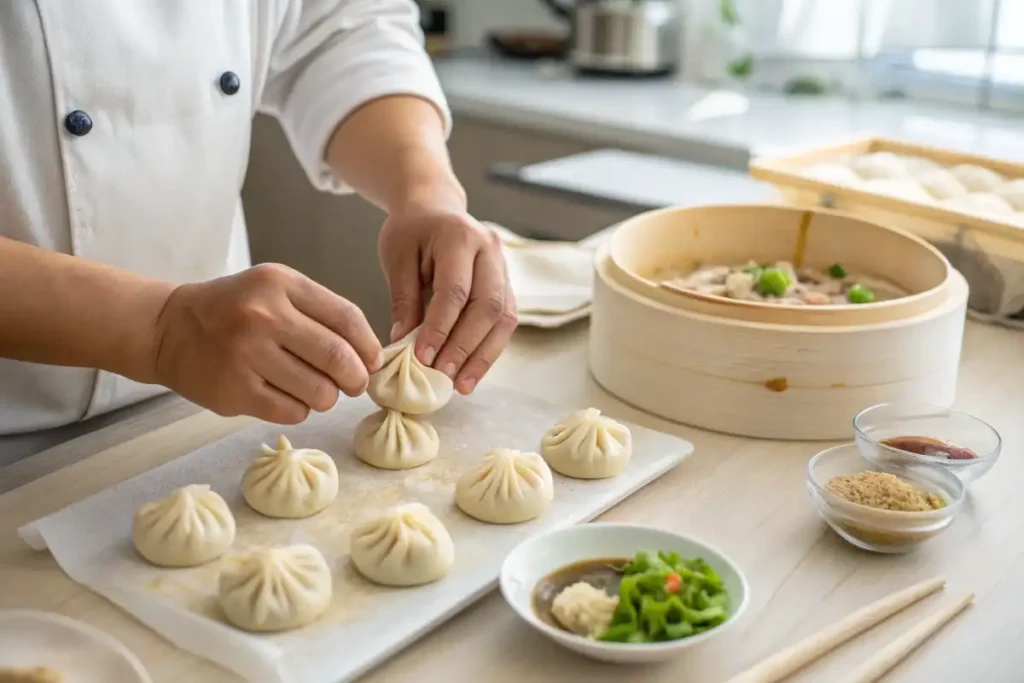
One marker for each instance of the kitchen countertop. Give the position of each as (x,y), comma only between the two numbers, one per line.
(701,123)
(743,495)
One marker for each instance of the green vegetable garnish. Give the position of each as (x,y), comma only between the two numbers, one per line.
(837,271)
(859,294)
(665,597)
(773,282)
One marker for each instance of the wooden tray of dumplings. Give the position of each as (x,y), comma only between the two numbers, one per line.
(914,187)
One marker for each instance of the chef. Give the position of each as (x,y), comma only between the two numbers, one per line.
(124,265)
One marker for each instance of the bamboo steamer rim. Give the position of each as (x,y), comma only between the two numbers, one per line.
(675,299)
(604,268)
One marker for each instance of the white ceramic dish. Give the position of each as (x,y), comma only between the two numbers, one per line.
(538,557)
(81,653)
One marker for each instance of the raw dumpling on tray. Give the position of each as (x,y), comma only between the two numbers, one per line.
(391,440)
(507,487)
(276,589)
(405,546)
(588,445)
(190,526)
(290,483)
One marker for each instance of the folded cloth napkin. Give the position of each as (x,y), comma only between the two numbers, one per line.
(553,281)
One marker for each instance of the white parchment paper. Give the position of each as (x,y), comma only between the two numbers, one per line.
(91,540)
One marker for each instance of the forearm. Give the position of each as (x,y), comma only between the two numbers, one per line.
(61,310)
(392,151)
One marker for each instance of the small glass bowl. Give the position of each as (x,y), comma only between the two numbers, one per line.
(882,531)
(888,420)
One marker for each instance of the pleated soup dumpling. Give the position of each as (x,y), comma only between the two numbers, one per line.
(976,178)
(405,384)
(507,487)
(290,483)
(391,440)
(941,184)
(276,588)
(405,546)
(588,445)
(189,527)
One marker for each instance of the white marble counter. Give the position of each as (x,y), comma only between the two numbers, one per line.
(682,120)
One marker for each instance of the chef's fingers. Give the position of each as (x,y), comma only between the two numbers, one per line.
(339,315)
(270,404)
(452,283)
(406,290)
(283,371)
(326,352)
(485,308)
(481,361)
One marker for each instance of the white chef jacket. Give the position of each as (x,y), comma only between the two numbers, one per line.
(146,173)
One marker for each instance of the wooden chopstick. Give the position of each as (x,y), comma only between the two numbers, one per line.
(783,663)
(894,652)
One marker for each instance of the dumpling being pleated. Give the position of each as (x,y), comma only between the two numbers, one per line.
(588,445)
(406,546)
(392,440)
(191,526)
(507,487)
(407,385)
(977,178)
(275,589)
(290,483)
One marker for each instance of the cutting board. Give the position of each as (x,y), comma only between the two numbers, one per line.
(91,539)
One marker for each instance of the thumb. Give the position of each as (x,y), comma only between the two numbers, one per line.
(406,297)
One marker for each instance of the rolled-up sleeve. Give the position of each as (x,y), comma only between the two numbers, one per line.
(332,56)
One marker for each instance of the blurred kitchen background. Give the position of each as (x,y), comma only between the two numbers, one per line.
(573,115)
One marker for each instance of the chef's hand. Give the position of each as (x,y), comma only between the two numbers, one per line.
(267,342)
(472,311)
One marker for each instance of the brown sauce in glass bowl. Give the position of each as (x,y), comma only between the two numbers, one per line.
(930,446)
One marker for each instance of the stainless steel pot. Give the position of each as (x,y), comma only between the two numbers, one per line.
(630,37)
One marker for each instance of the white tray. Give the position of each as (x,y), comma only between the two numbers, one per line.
(91,539)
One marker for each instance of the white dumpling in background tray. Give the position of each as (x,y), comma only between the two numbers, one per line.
(918,165)
(392,440)
(189,527)
(507,487)
(836,174)
(1013,192)
(982,203)
(276,589)
(405,384)
(290,483)
(977,178)
(879,165)
(405,546)
(941,184)
(588,445)
(902,188)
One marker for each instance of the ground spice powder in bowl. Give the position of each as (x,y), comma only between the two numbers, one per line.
(883,491)
(882,509)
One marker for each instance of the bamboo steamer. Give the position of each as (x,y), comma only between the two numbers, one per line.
(687,237)
(672,356)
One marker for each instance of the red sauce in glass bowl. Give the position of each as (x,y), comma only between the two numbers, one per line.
(926,445)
